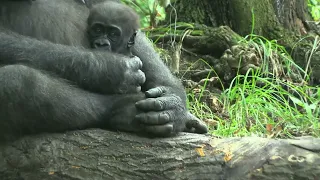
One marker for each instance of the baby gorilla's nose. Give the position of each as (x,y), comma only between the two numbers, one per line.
(102,44)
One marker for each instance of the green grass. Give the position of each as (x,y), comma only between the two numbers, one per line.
(254,109)
(272,101)
(266,102)
(262,105)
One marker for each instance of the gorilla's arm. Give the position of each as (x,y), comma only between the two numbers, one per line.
(164,111)
(33,101)
(102,72)
(156,71)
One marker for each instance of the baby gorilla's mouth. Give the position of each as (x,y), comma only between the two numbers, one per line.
(102,44)
(103,47)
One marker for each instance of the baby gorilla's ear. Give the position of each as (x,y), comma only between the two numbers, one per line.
(132,39)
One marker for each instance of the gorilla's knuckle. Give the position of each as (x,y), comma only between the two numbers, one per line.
(128,65)
(170,116)
(141,77)
(140,64)
(176,98)
(162,89)
(135,63)
(164,117)
(159,104)
(138,61)
(175,101)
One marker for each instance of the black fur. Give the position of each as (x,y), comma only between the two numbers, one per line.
(51,82)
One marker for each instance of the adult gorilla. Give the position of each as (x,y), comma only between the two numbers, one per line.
(51,82)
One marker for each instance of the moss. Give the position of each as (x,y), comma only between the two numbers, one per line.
(194,11)
(241,13)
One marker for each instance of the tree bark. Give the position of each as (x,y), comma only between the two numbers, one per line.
(239,15)
(287,21)
(100,154)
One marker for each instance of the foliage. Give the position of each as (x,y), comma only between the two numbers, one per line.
(314,8)
(262,102)
(150,11)
(265,106)
(261,105)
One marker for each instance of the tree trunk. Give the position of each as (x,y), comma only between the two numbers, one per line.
(268,15)
(99,154)
(284,20)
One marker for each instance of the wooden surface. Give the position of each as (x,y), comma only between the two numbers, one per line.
(100,154)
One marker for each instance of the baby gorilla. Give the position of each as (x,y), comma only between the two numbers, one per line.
(112,26)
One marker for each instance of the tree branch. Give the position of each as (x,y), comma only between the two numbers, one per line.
(101,154)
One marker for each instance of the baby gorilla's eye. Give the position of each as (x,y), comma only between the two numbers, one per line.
(97,29)
(113,33)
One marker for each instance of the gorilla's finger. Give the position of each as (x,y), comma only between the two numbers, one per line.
(158,104)
(163,130)
(151,104)
(141,78)
(135,63)
(153,118)
(156,92)
(195,125)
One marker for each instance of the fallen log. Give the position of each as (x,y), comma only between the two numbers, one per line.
(100,154)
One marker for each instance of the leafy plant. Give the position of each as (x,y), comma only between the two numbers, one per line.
(314,8)
(263,102)
(150,11)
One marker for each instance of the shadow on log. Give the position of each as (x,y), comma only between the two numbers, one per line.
(100,154)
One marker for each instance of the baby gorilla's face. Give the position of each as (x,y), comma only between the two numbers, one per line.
(111,38)
(112,26)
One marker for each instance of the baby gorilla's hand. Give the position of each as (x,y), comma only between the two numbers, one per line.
(132,77)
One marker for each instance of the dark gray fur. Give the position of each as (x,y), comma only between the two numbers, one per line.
(50,81)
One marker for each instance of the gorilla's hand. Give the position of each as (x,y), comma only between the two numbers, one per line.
(165,114)
(130,77)
(155,113)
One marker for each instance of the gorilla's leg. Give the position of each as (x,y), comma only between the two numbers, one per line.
(33,102)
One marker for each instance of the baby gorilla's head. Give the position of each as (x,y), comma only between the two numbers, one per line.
(112,26)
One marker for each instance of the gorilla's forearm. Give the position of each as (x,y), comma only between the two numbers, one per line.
(95,71)
(157,73)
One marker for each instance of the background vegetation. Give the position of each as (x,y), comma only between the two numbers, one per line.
(266,101)
(314,7)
